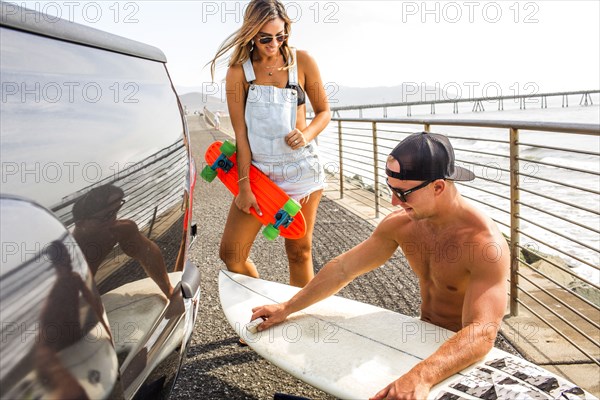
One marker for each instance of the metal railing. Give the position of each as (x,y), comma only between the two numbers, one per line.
(540,182)
(478,102)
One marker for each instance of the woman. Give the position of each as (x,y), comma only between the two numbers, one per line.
(267,84)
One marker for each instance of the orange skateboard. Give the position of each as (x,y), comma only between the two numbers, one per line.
(281,214)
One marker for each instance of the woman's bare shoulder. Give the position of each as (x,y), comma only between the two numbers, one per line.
(235,73)
(304,58)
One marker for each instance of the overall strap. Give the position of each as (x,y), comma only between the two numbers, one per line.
(293,72)
(249,71)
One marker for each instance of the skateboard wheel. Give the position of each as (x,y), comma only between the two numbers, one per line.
(270,232)
(208,174)
(292,207)
(227,148)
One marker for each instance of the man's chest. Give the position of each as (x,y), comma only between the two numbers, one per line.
(444,264)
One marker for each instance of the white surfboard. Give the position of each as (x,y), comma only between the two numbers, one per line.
(352,350)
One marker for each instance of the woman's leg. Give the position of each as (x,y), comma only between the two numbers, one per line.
(299,251)
(238,237)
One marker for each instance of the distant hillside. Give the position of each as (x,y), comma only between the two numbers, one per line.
(339,96)
(196,101)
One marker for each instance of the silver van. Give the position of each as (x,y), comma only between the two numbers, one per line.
(98,298)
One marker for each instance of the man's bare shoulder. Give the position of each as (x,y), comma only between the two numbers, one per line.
(395,225)
(480,225)
(483,232)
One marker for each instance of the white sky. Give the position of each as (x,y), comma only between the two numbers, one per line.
(474,47)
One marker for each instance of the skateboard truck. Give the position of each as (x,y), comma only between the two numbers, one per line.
(222,162)
(210,171)
(283,218)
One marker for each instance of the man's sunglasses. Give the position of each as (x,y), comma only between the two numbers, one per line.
(401,194)
(269,39)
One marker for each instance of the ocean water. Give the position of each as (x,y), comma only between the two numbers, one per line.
(546,222)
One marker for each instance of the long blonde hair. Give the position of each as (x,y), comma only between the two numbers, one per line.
(257,14)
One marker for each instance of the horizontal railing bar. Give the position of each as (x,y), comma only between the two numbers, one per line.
(557,331)
(537,146)
(356,131)
(347,136)
(366,135)
(348,157)
(465,100)
(559,166)
(493,181)
(486,191)
(345,145)
(561,127)
(569,291)
(489,205)
(560,317)
(481,152)
(501,223)
(560,183)
(566,254)
(483,165)
(560,217)
(396,131)
(328,142)
(479,140)
(587,246)
(566,203)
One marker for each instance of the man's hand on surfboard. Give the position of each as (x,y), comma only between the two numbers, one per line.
(408,387)
(273,314)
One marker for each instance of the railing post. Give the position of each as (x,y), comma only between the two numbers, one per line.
(340,152)
(514,221)
(375,170)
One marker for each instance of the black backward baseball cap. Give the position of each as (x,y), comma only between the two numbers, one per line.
(427,156)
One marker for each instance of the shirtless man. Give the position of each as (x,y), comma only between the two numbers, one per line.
(458,254)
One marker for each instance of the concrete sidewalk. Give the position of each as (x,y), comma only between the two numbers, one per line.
(216,367)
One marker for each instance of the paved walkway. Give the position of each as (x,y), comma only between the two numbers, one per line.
(216,367)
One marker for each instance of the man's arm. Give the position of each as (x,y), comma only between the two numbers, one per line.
(136,245)
(336,274)
(483,308)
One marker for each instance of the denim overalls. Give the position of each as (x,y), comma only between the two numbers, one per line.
(270,116)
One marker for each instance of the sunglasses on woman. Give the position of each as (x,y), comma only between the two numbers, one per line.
(269,39)
(401,194)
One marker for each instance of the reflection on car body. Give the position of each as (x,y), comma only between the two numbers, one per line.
(97,295)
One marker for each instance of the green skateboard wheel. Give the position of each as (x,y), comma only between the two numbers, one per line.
(270,232)
(292,207)
(227,148)
(208,174)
